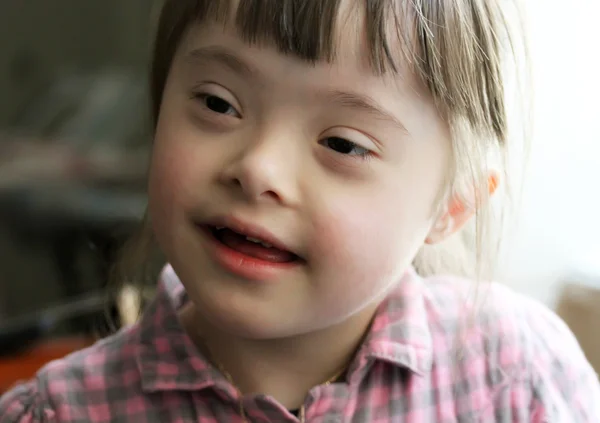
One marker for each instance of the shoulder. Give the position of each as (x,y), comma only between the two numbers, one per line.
(62,386)
(495,313)
(535,356)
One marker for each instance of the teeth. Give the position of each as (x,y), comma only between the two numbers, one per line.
(258,241)
(219,227)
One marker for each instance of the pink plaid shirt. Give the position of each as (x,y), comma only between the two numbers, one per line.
(423,360)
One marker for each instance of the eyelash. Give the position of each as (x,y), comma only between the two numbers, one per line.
(203,97)
(365,155)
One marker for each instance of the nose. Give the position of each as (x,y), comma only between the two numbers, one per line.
(264,170)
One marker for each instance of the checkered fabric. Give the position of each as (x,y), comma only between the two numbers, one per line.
(427,358)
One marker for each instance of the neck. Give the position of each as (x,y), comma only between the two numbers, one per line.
(285,368)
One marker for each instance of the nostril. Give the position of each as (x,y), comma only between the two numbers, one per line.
(255,191)
(255,183)
(271,194)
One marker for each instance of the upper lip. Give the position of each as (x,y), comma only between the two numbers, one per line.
(250,230)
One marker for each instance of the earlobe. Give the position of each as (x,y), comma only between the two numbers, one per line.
(457,213)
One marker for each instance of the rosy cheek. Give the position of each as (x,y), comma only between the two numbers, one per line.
(354,240)
(179,163)
(167,177)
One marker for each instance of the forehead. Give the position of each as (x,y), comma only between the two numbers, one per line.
(377,31)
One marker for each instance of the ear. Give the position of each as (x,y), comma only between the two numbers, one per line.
(456,213)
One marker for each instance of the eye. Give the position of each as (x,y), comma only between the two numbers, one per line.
(217,105)
(343,146)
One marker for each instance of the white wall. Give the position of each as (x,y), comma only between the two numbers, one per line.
(559,228)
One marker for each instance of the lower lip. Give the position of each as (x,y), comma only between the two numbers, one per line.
(242,265)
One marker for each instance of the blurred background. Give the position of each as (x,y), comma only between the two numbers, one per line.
(73,152)
(74,143)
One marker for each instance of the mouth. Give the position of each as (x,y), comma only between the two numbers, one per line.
(251,243)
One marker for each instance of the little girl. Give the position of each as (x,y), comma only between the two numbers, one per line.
(309,157)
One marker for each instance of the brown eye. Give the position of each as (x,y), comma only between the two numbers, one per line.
(217,105)
(343,146)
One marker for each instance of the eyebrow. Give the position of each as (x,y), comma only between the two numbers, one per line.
(365,104)
(222,56)
(348,100)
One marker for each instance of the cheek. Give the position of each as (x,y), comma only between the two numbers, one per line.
(349,239)
(180,165)
(167,180)
(361,247)
(180,158)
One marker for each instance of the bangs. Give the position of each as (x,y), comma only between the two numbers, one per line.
(307,29)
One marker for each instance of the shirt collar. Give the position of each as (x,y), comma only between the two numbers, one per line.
(399,333)
(168,359)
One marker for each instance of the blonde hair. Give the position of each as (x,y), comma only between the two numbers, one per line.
(455,47)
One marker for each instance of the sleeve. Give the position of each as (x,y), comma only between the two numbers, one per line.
(564,386)
(25,404)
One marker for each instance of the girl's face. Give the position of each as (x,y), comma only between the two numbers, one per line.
(335,165)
